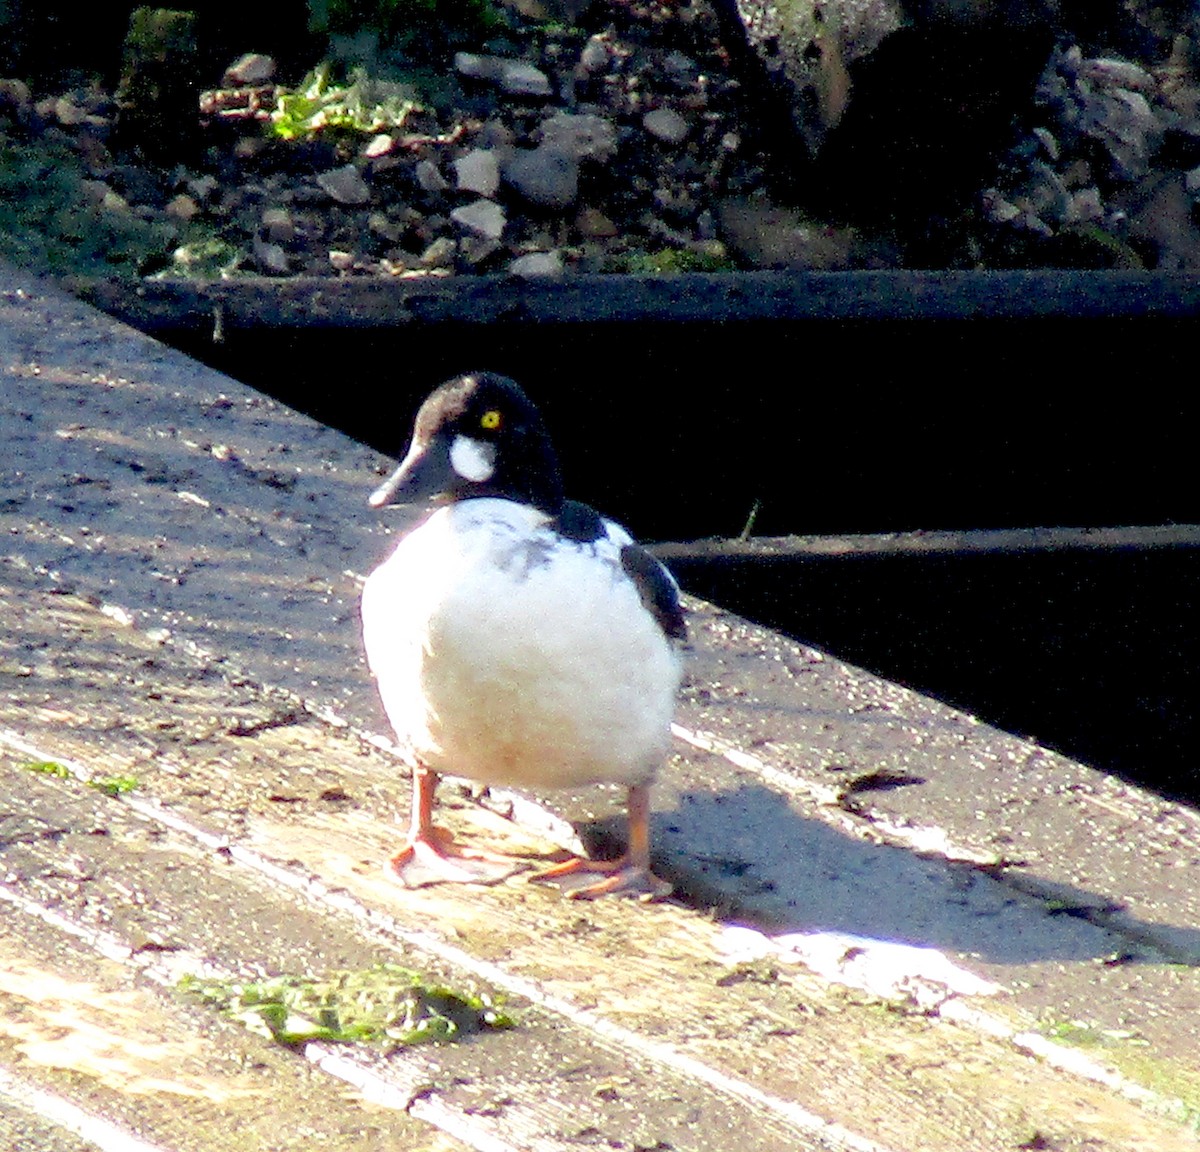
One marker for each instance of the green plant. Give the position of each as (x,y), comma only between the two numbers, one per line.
(379,1004)
(361,105)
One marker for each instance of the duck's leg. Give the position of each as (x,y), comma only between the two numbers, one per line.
(628,876)
(430,855)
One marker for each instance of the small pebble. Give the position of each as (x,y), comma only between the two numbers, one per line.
(478,171)
(534,264)
(544,176)
(345,185)
(482,217)
(253,68)
(667,125)
(430,178)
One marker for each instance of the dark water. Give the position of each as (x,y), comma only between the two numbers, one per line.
(1097,654)
(868,427)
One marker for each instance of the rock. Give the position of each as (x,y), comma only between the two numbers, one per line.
(381,225)
(544,175)
(478,171)
(806,48)
(156,95)
(592,224)
(271,258)
(340,260)
(182,207)
(667,125)
(596,56)
(68,113)
(1086,206)
(1113,73)
(248,70)
(476,250)
(534,264)
(429,177)
(202,187)
(482,218)
(765,235)
(14,95)
(1191,182)
(1160,214)
(345,185)
(563,11)
(584,136)
(279,225)
(379,145)
(439,254)
(514,77)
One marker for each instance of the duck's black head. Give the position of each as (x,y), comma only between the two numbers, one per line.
(477,435)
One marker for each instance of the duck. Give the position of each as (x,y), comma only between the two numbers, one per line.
(516,637)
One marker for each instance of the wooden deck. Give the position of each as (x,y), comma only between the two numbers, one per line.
(896,928)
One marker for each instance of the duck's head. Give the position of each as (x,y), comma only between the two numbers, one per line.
(476,435)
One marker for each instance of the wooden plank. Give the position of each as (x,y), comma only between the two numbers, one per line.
(90,1050)
(108,878)
(220,306)
(214,538)
(970,542)
(901,1078)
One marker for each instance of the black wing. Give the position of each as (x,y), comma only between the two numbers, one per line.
(657,588)
(580,522)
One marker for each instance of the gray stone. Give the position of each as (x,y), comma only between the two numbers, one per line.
(475,250)
(478,171)
(279,225)
(270,258)
(252,68)
(515,77)
(765,235)
(806,62)
(544,175)
(430,178)
(667,125)
(345,185)
(182,207)
(596,55)
(439,254)
(534,264)
(586,137)
(520,79)
(482,217)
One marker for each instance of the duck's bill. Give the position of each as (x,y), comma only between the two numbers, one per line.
(422,475)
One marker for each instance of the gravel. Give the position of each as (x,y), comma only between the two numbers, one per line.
(631,144)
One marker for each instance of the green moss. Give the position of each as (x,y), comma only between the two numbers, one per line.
(382,1004)
(1133,1057)
(50,223)
(671,261)
(48,768)
(113,785)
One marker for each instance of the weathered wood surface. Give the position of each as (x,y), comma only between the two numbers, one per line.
(178,591)
(966,542)
(369,302)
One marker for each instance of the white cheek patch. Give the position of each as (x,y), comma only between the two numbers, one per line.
(473,460)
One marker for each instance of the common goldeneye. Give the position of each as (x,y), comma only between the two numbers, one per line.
(517,637)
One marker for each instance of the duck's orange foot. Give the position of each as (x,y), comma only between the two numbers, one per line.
(620,878)
(436,859)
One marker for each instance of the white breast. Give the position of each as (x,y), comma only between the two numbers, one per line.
(509,655)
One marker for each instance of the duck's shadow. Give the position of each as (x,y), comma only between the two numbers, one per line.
(747,854)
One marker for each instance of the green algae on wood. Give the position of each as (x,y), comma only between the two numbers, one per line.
(382,1004)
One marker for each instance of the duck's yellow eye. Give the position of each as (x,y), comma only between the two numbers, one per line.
(490,420)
